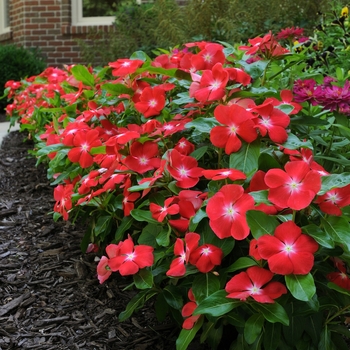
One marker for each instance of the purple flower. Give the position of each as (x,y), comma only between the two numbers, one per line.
(306,90)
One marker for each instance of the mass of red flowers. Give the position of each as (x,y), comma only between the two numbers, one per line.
(198,180)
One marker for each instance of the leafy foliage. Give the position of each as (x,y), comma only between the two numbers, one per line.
(18,63)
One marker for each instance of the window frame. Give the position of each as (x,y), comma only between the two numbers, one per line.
(79,20)
(3,15)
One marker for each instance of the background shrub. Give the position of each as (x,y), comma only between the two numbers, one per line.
(164,23)
(17,63)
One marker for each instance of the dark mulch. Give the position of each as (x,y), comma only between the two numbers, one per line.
(50,297)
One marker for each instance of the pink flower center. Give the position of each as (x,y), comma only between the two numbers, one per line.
(206,251)
(333,198)
(288,248)
(143,160)
(266,122)
(183,172)
(207,57)
(230,211)
(85,147)
(215,85)
(130,256)
(254,290)
(294,186)
(233,129)
(152,103)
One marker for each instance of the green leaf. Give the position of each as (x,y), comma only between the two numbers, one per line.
(260,197)
(116,89)
(204,285)
(272,335)
(260,223)
(187,335)
(338,228)
(143,279)
(82,74)
(173,296)
(325,342)
(330,182)
(163,238)
(102,226)
(241,263)
(255,69)
(247,159)
(267,162)
(161,307)
(199,152)
(235,318)
(302,287)
(319,235)
(253,328)
(202,125)
(149,235)
(212,334)
(49,149)
(98,150)
(216,304)
(136,302)
(124,225)
(273,312)
(294,143)
(140,55)
(143,215)
(338,289)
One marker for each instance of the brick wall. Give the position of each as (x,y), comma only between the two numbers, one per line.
(46,24)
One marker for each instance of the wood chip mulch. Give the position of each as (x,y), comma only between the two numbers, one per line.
(50,297)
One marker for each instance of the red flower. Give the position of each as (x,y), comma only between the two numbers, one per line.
(159,212)
(184,169)
(272,121)
(340,278)
(123,67)
(177,266)
(238,122)
(211,54)
(254,283)
(211,86)
(184,146)
(152,101)
(129,198)
(288,251)
(295,188)
(220,174)
(103,269)
(332,201)
(83,142)
(63,197)
(226,211)
(143,157)
(206,257)
(188,310)
(129,258)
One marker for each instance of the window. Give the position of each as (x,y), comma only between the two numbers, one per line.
(4,16)
(93,12)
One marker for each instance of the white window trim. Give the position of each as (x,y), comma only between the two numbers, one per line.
(79,20)
(3,29)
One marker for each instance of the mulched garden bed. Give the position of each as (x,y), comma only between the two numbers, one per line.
(50,297)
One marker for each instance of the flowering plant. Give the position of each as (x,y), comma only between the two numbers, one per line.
(224,196)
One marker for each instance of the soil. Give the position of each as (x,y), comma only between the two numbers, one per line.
(50,297)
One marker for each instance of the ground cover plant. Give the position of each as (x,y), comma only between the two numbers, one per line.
(217,176)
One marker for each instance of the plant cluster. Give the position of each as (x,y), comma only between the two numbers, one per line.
(210,178)
(18,63)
